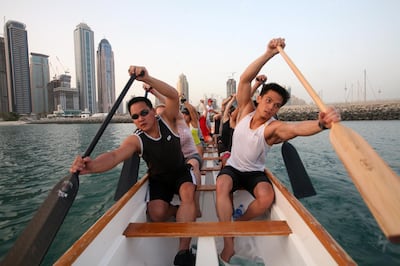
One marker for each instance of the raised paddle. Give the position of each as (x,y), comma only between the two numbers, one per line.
(377,183)
(33,243)
(299,179)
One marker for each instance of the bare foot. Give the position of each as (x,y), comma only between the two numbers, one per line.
(227,255)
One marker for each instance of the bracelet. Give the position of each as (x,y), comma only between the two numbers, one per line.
(321,126)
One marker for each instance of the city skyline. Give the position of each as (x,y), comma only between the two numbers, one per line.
(332,43)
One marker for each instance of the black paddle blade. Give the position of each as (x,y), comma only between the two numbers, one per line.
(37,237)
(128,177)
(299,179)
(32,245)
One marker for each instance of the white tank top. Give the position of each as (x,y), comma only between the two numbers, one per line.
(249,148)
(186,139)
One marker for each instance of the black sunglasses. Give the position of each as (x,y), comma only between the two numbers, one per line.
(142,113)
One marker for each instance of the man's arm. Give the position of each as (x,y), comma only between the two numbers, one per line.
(169,92)
(279,131)
(244,88)
(193,114)
(107,160)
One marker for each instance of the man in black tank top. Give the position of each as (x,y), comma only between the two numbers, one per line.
(157,141)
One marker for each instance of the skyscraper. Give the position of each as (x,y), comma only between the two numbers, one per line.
(3,79)
(230,87)
(17,65)
(105,76)
(183,86)
(85,67)
(40,76)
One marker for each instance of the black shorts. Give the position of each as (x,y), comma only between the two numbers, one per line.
(164,187)
(246,180)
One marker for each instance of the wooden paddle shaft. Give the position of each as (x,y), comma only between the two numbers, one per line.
(303,80)
(377,183)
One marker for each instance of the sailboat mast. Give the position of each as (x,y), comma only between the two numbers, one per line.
(365,85)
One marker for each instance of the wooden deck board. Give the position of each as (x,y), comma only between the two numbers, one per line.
(201,229)
(212,158)
(215,168)
(206,188)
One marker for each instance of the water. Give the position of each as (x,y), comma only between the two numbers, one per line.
(33,158)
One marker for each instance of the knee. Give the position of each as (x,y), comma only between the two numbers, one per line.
(223,185)
(186,192)
(266,200)
(156,214)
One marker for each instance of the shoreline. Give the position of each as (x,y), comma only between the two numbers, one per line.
(12,123)
(387,110)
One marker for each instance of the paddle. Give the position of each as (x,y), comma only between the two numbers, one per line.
(128,176)
(299,179)
(33,243)
(377,183)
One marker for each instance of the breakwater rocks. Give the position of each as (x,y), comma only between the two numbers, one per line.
(349,111)
(77,120)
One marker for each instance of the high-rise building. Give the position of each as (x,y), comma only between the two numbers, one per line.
(62,96)
(85,67)
(17,65)
(40,76)
(3,79)
(183,86)
(230,87)
(105,76)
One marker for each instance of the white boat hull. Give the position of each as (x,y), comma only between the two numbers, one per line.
(105,244)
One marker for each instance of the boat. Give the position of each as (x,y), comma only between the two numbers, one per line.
(286,235)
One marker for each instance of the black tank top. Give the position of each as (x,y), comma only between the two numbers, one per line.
(226,135)
(163,156)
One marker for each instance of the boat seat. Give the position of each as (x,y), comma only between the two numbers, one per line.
(211,158)
(210,150)
(207,229)
(210,169)
(206,188)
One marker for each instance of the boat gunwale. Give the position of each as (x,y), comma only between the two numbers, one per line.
(79,246)
(334,249)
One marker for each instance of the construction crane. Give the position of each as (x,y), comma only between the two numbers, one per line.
(66,71)
(54,70)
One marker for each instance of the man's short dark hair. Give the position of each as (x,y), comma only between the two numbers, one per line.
(278,89)
(139,99)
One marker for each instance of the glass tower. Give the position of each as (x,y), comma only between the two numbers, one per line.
(40,76)
(105,76)
(183,86)
(230,87)
(85,67)
(3,79)
(17,65)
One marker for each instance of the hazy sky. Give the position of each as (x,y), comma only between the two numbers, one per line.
(331,42)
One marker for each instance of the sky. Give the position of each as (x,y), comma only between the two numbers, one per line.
(334,43)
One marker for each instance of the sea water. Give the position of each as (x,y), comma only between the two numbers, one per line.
(33,158)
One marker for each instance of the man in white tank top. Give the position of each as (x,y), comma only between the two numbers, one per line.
(255,132)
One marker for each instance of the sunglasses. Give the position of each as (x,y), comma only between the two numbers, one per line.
(142,113)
